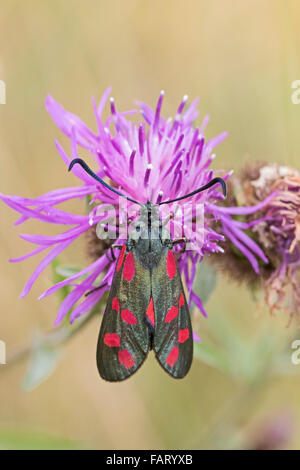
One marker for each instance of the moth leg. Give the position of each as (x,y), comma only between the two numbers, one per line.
(180,240)
(95,289)
(113,258)
(171,216)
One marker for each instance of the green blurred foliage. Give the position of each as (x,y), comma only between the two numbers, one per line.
(26,440)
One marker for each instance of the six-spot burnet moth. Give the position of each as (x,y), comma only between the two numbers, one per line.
(146,307)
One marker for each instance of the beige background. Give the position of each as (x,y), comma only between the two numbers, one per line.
(240,58)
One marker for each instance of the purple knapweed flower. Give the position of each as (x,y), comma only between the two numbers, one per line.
(157,159)
(279,232)
(273,190)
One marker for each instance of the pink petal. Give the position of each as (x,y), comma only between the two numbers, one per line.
(246,210)
(196,337)
(75,295)
(47,260)
(88,303)
(99,264)
(28,255)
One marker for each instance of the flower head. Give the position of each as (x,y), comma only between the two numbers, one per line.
(279,233)
(278,230)
(157,159)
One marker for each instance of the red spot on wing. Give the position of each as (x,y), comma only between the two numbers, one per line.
(121,257)
(181,300)
(150,312)
(183,335)
(126,359)
(172,313)
(128,317)
(115,305)
(171,264)
(112,340)
(173,356)
(129,267)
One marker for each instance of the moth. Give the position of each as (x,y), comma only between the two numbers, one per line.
(147,307)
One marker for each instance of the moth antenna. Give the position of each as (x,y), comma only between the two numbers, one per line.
(203,188)
(93,175)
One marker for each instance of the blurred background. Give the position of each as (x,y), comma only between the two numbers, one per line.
(241,59)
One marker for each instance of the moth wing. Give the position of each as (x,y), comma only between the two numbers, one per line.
(173,337)
(124,339)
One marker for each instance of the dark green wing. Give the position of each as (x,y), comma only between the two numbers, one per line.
(124,339)
(173,338)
